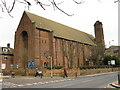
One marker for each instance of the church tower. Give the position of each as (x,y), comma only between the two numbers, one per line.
(99,39)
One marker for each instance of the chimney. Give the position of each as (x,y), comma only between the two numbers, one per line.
(8,45)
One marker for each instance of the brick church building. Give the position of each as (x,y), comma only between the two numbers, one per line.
(47,43)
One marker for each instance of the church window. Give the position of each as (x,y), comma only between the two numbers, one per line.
(45,41)
(45,64)
(42,41)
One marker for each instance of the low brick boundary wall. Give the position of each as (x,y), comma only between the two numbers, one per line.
(59,72)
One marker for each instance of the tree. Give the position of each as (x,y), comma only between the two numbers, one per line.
(111,57)
(106,59)
(9,5)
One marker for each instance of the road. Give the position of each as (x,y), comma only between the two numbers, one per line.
(96,81)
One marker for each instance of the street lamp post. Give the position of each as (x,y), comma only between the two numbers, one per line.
(50,57)
(51,67)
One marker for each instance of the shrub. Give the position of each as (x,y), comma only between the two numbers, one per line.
(55,67)
(58,67)
(94,67)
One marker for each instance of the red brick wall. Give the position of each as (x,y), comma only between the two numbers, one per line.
(59,72)
(7,62)
(77,52)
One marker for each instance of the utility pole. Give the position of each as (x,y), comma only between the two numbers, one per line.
(1,74)
(118,36)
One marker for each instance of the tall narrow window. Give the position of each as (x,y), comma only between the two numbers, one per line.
(42,41)
(45,64)
(45,41)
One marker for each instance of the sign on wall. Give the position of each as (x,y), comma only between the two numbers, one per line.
(31,64)
(109,62)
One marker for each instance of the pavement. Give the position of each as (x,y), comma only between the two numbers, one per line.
(20,81)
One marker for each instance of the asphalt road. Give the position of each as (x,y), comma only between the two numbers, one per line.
(96,81)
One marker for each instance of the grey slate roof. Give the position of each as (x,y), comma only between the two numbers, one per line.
(60,30)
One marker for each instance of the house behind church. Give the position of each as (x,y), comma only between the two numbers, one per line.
(6,57)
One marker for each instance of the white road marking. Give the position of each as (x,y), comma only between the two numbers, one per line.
(29,84)
(20,85)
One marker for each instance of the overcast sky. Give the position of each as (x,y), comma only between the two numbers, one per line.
(85,15)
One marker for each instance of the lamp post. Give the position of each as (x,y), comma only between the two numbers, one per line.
(50,57)
(118,38)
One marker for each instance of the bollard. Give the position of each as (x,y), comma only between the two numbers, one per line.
(119,78)
(13,74)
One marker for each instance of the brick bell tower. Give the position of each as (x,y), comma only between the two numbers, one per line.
(99,40)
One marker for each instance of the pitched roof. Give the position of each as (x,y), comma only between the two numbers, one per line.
(60,30)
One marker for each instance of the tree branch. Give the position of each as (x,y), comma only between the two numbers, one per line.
(20,2)
(12,6)
(99,0)
(41,4)
(55,6)
(81,2)
(28,3)
(5,6)
(1,8)
(116,1)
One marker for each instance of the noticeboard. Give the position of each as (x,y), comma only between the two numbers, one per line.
(112,62)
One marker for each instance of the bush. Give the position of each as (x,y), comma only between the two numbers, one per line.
(94,67)
(55,67)
(58,67)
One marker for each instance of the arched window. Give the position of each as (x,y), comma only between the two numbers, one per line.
(23,48)
(45,64)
